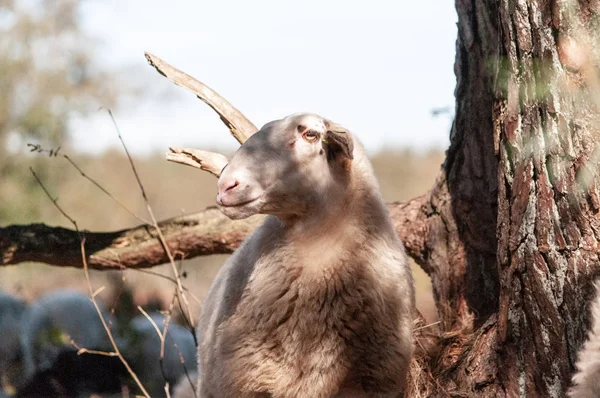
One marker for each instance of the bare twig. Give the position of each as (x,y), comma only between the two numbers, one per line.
(116,351)
(181,296)
(104,324)
(166,323)
(54,200)
(427,326)
(239,126)
(174,281)
(181,358)
(160,335)
(208,161)
(55,152)
(121,204)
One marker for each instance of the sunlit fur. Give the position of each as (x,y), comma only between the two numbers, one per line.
(586,382)
(319,301)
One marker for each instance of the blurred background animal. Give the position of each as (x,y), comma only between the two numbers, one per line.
(144,353)
(40,343)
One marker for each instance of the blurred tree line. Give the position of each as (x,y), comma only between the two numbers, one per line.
(49,72)
(47,75)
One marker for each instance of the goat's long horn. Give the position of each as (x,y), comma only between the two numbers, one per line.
(241,128)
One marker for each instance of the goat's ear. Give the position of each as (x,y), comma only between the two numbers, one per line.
(337,141)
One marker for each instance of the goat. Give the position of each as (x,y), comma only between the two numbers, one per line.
(50,328)
(11,352)
(144,353)
(586,382)
(319,300)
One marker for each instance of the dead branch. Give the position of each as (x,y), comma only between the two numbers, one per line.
(116,352)
(239,126)
(204,233)
(53,153)
(187,314)
(208,161)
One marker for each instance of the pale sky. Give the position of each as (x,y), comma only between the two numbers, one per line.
(376,67)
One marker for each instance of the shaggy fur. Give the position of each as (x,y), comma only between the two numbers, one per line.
(319,301)
(586,382)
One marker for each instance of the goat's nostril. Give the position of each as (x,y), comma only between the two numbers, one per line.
(232,186)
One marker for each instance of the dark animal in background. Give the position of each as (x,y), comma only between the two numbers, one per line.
(143,354)
(12,364)
(39,344)
(52,329)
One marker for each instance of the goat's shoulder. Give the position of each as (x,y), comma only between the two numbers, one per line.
(232,278)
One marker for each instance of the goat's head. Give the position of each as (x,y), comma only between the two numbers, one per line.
(287,168)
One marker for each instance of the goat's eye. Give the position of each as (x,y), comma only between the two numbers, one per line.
(310,136)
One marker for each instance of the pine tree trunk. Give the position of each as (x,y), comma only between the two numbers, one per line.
(513,220)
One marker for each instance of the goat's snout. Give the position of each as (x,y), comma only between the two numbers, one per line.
(227,190)
(234,191)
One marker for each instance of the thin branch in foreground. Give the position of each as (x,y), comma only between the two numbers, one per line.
(158,275)
(427,326)
(55,152)
(54,201)
(162,336)
(121,204)
(116,350)
(179,353)
(187,314)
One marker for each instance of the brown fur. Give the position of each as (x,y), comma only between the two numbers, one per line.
(316,304)
(586,382)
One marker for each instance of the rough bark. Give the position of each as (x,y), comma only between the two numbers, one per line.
(517,199)
(203,233)
(548,237)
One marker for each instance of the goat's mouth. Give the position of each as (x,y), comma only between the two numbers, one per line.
(241,209)
(236,204)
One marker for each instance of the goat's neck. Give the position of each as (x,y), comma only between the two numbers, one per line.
(342,217)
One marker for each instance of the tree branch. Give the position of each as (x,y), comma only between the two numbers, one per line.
(204,233)
(208,161)
(411,220)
